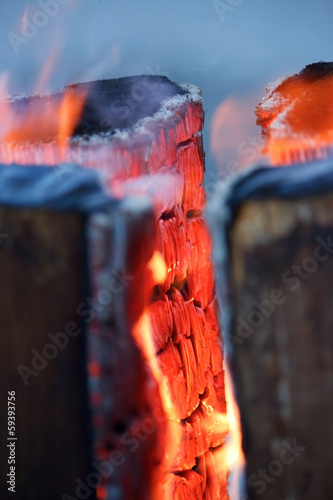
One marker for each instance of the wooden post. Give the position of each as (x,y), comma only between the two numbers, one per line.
(278,325)
(58,240)
(43,279)
(145,134)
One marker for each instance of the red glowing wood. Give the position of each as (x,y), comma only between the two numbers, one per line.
(296,116)
(158,155)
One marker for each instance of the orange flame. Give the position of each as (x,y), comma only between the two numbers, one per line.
(234,452)
(143,333)
(54,119)
(236,139)
(296,117)
(158,267)
(70,112)
(230,457)
(144,336)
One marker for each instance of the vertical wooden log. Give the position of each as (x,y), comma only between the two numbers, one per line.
(124,394)
(145,134)
(277,271)
(43,272)
(63,245)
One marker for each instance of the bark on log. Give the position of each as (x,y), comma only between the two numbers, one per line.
(278,276)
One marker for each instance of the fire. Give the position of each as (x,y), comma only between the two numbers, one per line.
(70,112)
(235,143)
(296,116)
(158,267)
(227,458)
(143,334)
(54,120)
(235,139)
(146,341)
(234,451)
(230,458)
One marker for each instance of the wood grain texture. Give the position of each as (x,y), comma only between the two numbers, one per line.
(43,279)
(282,268)
(156,152)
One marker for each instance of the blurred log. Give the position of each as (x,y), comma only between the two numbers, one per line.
(296,116)
(55,345)
(127,436)
(278,274)
(43,268)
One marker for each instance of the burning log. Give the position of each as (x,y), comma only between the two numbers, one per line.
(296,116)
(276,274)
(144,135)
(63,298)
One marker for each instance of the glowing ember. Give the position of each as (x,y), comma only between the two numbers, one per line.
(144,334)
(296,116)
(102,493)
(177,334)
(158,267)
